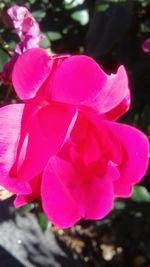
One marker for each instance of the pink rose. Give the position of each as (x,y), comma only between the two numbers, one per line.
(63,144)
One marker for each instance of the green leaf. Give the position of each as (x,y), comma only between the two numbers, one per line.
(69,4)
(45,42)
(54,36)
(3,58)
(39,14)
(144,28)
(32,1)
(140,194)
(43,221)
(119,205)
(102,7)
(81,16)
(25,209)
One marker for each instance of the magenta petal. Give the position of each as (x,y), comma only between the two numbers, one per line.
(135,147)
(93,133)
(119,110)
(35,185)
(115,95)
(98,199)
(19,201)
(10,123)
(146,45)
(69,194)
(30,71)
(58,203)
(46,134)
(77,81)
(100,194)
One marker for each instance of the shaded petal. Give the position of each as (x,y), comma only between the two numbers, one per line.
(99,195)
(69,194)
(57,201)
(119,110)
(114,98)
(35,185)
(146,45)
(80,81)
(10,123)
(30,71)
(95,140)
(46,134)
(135,148)
(77,81)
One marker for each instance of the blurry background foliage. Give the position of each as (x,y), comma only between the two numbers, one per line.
(112,32)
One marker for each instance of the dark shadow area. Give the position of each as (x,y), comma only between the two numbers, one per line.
(7,260)
(7,211)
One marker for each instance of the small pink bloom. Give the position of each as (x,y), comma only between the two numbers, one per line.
(24,23)
(28,31)
(62,144)
(146,45)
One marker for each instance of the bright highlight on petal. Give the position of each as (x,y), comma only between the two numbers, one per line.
(26,77)
(77,80)
(10,122)
(114,99)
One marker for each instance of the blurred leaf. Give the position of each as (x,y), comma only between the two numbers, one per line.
(32,1)
(117,1)
(2,5)
(43,221)
(140,194)
(3,58)
(39,14)
(144,28)
(45,42)
(69,4)
(102,7)
(81,16)
(45,1)
(119,205)
(12,45)
(54,36)
(25,209)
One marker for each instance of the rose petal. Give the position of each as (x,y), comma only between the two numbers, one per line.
(135,147)
(46,134)
(77,81)
(30,71)
(35,185)
(119,110)
(10,121)
(80,81)
(69,194)
(114,98)
(95,140)
(57,201)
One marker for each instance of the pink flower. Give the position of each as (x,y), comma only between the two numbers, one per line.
(63,144)
(146,45)
(23,21)
(28,31)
